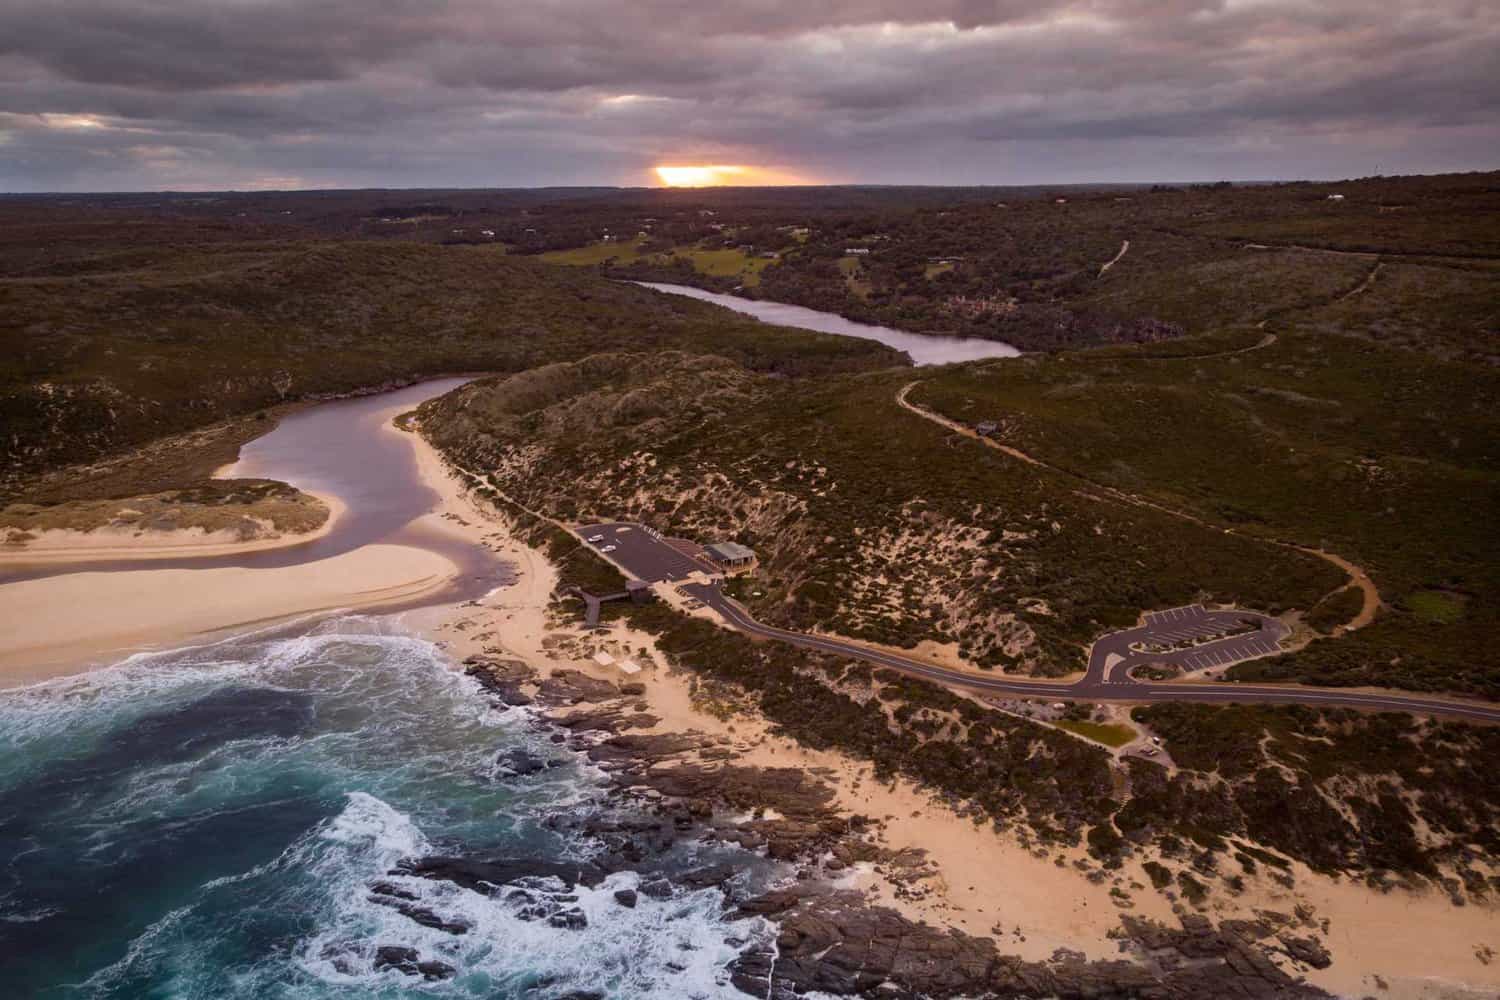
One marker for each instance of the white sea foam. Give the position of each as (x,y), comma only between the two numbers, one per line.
(679,947)
(369,823)
(390,723)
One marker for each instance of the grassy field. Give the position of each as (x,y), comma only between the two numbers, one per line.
(594,254)
(1111,734)
(713,262)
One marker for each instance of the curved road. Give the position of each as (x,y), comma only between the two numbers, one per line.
(1094,686)
(1218,637)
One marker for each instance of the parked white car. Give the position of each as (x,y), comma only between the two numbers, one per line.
(607,548)
(596,538)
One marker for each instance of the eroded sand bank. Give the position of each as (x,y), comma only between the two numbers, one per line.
(61,546)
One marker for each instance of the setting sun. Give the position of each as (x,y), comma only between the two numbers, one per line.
(705,176)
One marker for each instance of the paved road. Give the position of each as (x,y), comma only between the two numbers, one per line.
(1190,638)
(648,557)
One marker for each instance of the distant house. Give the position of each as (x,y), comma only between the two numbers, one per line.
(1335,197)
(486,232)
(856,251)
(730,554)
(1060,201)
(986,428)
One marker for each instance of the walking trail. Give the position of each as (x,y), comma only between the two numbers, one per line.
(1357,575)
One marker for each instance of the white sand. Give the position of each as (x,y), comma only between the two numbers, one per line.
(986,883)
(59,624)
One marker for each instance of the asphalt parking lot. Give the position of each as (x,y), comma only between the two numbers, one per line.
(1212,638)
(644,554)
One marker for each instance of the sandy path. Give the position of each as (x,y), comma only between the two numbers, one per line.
(1115,259)
(1357,576)
(1032,901)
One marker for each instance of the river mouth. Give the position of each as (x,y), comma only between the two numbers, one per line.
(923,349)
(347,449)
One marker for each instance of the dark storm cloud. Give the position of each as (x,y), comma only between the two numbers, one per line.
(194,93)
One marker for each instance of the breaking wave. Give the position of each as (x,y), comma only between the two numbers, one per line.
(209,822)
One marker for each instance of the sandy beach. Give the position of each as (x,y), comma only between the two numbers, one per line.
(1032,901)
(60,624)
(1398,944)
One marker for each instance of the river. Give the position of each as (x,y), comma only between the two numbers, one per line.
(345,448)
(209,821)
(924,349)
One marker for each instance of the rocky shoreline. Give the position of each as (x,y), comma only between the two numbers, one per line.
(687,787)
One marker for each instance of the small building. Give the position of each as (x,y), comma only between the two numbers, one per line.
(1335,197)
(986,428)
(639,591)
(730,554)
(856,251)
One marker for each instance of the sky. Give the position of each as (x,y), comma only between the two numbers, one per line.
(118,95)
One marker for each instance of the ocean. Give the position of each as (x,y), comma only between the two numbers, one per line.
(208,822)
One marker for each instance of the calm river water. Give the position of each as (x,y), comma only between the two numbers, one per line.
(924,349)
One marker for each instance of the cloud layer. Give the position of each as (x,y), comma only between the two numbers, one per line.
(127,94)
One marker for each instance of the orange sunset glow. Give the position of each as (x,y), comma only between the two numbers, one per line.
(717,175)
(701,176)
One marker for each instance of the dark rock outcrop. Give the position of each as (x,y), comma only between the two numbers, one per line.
(832,941)
(519,762)
(502,678)
(421,914)
(485,876)
(410,962)
(1308,950)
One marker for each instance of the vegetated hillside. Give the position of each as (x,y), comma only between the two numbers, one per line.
(131,344)
(1383,797)
(870,521)
(1387,457)
(1032,270)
